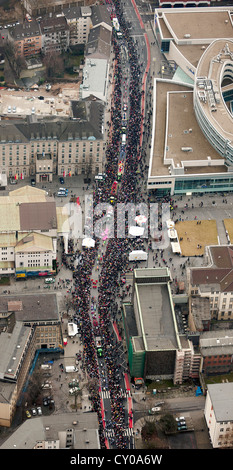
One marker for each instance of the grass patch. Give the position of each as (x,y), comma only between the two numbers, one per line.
(5,281)
(217,379)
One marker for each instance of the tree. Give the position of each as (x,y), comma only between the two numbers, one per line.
(168,423)
(54,64)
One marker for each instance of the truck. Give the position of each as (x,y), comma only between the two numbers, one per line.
(98,345)
(69,369)
(138,255)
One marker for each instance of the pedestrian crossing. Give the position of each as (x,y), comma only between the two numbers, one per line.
(110,432)
(105,394)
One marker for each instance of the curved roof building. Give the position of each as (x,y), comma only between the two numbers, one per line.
(212,112)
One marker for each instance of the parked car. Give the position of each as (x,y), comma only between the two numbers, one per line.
(34,413)
(33,182)
(39,410)
(28,414)
(49,280)
(61,180)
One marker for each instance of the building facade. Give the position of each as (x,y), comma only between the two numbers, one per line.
(27,326)
(218,414)
(215,282)
(45,148)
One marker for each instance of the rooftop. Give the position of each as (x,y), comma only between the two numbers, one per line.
(175,129)
(155,318)
(53,428)
(221,396)
(31,308)
(216,342)
(212,67)
(219,273)
(202,23)
(12,347)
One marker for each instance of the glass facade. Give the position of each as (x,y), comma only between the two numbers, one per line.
(203,185)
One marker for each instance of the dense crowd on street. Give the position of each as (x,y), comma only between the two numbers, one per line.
(114,260)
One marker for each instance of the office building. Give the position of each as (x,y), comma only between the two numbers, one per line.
(156,348)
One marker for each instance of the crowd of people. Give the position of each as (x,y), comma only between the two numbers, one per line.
(114,258)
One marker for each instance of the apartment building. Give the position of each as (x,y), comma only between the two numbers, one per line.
(55,35)
(216,348)
(43,7)
(27,325)
(218,414)
(215,281)
(79,21)
(27,38)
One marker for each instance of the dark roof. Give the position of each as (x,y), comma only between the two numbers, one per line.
(53,24)
(99,41)
(219,273)
(72,12)
(31,307)
(26,130)
(100,14)
(38,216)
(24,30)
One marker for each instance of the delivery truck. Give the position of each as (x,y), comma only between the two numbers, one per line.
(71,369)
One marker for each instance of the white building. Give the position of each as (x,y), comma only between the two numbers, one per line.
(215,281)
(95,79)
(218,414)
(79,22)
(29,227)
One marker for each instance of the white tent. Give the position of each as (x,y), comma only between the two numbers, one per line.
(88,242)
(175,247)
(138,255)
(136,231)
(72,329)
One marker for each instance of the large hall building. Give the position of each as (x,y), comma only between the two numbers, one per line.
(192,128)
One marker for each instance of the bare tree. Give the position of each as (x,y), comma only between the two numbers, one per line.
(54,64)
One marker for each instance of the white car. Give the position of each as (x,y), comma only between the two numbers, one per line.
(39,410)
(49,280)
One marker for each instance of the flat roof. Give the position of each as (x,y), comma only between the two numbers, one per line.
(94,77)
(183,131)
(12,346)
(201,23)
(221,396)
(175,127)
(156,317)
